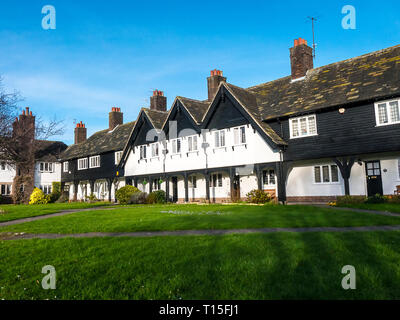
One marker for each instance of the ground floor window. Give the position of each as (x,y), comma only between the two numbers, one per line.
(5,189)
(46,189)
(192,182)
(326,174)
(269,177)
(156,184)
(216,180)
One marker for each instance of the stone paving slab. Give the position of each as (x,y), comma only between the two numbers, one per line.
(19,236)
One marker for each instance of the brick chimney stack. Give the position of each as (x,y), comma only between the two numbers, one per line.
(213,82)
(158,101)
(80,132)
(24,126)
(301,58)
(115,118)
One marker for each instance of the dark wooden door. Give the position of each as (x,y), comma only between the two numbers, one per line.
(174,189)
(236,188)
(374,177)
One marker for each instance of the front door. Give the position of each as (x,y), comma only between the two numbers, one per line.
(236,189)
(374,178)
(174,189)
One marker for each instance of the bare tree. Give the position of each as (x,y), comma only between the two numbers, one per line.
(20,138)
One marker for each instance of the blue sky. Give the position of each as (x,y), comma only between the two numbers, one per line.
(114,53)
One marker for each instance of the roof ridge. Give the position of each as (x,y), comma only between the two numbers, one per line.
(365,55)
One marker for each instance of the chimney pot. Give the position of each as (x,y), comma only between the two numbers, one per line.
(213,82)
(301,58)
(80,132)
(115,118)
(158,101)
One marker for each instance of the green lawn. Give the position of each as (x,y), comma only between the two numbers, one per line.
(186,217)
(390,207)
(13,212)
(256,266)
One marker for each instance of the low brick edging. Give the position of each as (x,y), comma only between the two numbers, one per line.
(311,199)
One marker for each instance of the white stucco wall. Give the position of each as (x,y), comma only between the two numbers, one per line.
(47,178)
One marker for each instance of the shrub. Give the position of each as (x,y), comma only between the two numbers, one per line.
(258,196)
(393,199)
(38,197)
(91,198)
(348,200)
(55,192)
(156,197)
(138,198)
(123,195)
(376,199)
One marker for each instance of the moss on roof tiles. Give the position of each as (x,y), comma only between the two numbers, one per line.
(371,76)
(100,142)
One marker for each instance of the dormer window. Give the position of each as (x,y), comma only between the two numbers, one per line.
(303,126)
(387,112)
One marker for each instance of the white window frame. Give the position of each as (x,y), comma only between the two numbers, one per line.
(220,138)
(239,135)
(155,150)
(46,167)
(329,173)
(82,163)
(193,143)
(218,182)
(192,183)
(389,115)
(7,189)
(175,144)
(66,166)
(117,157)
(298,119)
(94,162)
(46,188)
(268,176)
(142,152)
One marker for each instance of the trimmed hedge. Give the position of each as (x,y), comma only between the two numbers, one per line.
(123,195)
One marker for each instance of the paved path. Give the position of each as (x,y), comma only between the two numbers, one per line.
(383,213)
(17,236)
(50,215)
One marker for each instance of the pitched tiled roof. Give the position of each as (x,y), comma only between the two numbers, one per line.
(156,117)
(196,108)
(48,150)
(371,76)
(100,142)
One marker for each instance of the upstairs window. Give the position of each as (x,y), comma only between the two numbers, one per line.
(387,112)
(219,138)
(326,174)
(82,164)
(239,135)
(154,150)
(176,146)
(2,166)
(192,143)
(142,152)
(65,166)
(46,167)
(303,126)
(118,156)
(94,162)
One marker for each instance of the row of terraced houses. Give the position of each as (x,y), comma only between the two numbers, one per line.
(311,136)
